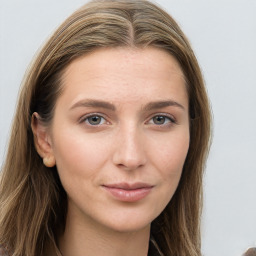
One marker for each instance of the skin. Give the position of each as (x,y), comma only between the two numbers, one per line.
(130,139)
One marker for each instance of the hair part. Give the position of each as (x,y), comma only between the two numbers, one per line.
(32,199)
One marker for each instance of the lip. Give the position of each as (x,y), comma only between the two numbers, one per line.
(126,192)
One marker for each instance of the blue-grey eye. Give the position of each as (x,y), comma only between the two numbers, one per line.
(159,120)
(95,120)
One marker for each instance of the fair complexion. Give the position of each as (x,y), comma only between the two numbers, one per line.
(119,137)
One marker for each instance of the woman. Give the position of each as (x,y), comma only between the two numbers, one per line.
(109,140)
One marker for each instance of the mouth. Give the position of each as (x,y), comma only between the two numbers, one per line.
(128,192)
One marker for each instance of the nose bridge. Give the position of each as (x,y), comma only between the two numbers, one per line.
(129,151)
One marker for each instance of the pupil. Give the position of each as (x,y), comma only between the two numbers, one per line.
(94,120)
(159,119)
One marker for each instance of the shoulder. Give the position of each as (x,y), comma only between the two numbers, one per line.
(3,251)
(249,252)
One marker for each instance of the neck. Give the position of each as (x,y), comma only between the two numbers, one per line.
(89,238)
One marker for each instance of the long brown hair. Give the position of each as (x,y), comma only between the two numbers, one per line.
(32,199)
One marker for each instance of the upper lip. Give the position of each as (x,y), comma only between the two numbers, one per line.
(128,186)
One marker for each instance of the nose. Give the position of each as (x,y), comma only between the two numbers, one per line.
(129,151)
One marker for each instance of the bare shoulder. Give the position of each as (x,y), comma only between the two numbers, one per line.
(250,252)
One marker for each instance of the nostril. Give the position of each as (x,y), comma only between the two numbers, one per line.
(130,154)
(130,165)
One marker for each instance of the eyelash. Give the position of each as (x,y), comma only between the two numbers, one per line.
(92,115)
(168,120)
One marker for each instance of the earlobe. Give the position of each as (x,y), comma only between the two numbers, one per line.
(49,161)
(42,140)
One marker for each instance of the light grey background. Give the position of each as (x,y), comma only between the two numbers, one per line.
(223,35)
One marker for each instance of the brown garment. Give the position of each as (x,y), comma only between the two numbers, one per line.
(250,252)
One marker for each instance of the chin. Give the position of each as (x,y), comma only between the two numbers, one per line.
(130,227)
(128,223)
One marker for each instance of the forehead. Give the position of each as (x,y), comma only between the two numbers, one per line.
(123,57)
(124,73)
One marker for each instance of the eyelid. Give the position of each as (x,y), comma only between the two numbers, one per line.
(167,115)
(84,117)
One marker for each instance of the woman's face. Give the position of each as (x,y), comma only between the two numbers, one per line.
(120,136)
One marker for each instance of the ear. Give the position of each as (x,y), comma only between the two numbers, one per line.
(42,140)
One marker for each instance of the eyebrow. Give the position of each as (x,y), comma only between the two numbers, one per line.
(91,103)
(162,104)
(94,104)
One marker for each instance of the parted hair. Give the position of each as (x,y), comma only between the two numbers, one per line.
(33,203)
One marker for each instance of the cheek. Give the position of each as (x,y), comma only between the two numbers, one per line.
(78,155)
(170,153)
(169,159)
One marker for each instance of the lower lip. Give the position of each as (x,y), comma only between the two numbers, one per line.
(128,195)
